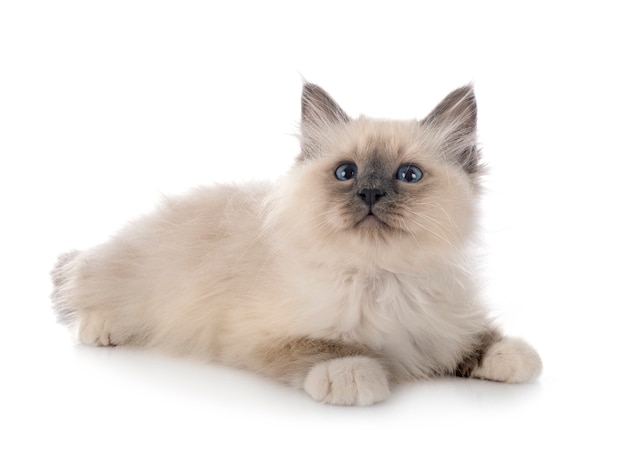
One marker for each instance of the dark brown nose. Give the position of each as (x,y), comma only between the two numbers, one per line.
(371,196)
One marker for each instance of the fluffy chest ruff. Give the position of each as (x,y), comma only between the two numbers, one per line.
(421,325)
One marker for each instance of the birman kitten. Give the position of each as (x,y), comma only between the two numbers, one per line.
(350,274)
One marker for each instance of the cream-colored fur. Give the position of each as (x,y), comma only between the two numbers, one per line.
(348,381)
(510,360)
(230,273)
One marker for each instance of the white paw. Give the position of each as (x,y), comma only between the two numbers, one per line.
(510,360)
(348,381)
(94,330)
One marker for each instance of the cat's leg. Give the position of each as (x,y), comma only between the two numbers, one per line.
(501,359)
(88,298)
(330,371)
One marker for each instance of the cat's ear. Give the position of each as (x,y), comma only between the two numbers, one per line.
(319,113)
(455,118)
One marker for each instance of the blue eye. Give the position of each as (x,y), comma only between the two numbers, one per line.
(346,171)
(409,173)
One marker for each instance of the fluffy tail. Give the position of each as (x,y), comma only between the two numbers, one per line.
(60,304)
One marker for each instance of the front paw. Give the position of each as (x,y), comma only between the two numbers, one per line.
(348,381)
(509,360)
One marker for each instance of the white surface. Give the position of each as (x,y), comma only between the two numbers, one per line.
(106,105)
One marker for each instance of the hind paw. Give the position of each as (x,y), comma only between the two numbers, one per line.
(94,330)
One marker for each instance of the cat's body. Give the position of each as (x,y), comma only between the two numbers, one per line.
(352,272)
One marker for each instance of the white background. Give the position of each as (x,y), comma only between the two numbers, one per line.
(105,106)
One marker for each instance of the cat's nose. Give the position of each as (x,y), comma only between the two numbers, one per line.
(371,196)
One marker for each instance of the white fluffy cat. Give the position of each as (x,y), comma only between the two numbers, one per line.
(351,273)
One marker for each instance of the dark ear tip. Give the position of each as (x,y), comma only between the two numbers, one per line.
(311,88)
(466,95)
(467,91)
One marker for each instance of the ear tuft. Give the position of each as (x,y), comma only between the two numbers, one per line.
(319,113)
(456,117)
(318,108)
(459,107)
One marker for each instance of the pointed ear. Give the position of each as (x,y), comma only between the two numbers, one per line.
(455,118)
(319,112)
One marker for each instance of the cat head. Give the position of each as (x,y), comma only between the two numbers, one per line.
(382,185)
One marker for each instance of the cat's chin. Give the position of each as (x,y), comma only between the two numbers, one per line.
(371,220)
(373,225)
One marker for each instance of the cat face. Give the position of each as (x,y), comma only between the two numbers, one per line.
(380,184)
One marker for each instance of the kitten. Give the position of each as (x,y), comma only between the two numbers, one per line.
(350,274)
